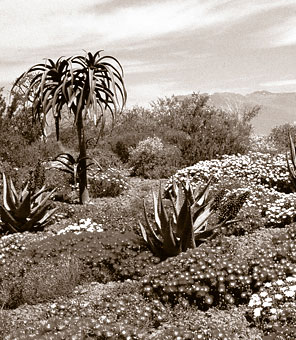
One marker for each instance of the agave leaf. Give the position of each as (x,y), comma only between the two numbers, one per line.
(9,220)
(180,197)
(23,194)
(175,212)
(23,211)
(143,232)
(188,239)
(38,193)
(182,219)
(34,218)
(150,229)
(201,216)
(43,202)
(156,212)
(13,190)
(9,200)
(206,234)
(67,158)
(202,195)
(154,244)
(45,219)
(169,239)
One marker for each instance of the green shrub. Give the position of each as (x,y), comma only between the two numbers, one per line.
(279,136)
(201,131)
(131,127)
(105,156)
(152,159)
(122,143)
(147,154)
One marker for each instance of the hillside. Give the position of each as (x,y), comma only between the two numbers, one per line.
(276,108)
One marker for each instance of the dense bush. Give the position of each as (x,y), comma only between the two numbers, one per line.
(152,159)
(132,126)
(279,136)
(200,131)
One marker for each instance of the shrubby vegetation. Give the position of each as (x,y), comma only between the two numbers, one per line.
(279,136)
(89,273)
(190,127)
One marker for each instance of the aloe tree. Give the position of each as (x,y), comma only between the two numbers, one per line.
(90,85)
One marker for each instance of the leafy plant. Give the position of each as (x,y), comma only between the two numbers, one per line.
(151,158)
(74,166)
(88,85)
(201,131)
(25,211)
(187,225)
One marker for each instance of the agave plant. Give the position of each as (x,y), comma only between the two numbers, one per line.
(186,227)
(74,166)
(292,169)
(25,211)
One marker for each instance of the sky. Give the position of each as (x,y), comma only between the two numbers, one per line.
(166,48)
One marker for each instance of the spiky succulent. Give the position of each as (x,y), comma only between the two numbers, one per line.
(26,211)
(186,226)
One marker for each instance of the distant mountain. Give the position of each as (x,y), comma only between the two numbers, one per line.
(276,108)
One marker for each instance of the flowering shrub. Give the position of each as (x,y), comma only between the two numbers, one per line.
(210,275)
(14,243)
(83,225)
(273,308)
(264,175)
(282,211)
(263,144)
(107,183)
(146,155)
(253,168)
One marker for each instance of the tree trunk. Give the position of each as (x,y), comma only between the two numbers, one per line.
(83,191)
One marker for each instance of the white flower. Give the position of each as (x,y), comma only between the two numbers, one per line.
(293,288)
(268,284)
(289,293)
(291,279)
(266,304)
(257,311)
(263,294)
(278,296)
(273,310)
(279,282)
(255,301)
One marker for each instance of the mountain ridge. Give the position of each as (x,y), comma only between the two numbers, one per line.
(277,108)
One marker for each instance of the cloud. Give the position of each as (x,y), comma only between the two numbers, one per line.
(34,24)
(279,83)
(283,34)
